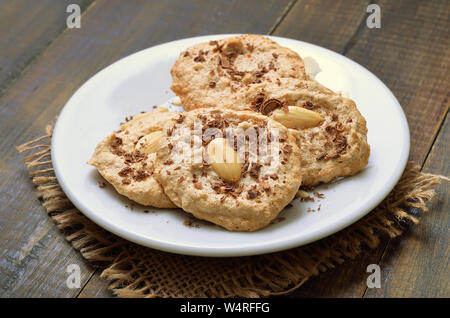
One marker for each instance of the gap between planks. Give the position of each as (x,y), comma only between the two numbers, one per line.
(27,64)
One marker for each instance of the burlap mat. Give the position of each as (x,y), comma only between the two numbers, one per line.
(137,271)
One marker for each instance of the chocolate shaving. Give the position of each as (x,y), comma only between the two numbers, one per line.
(135,156)
(140,175)
(224,62)
(287,148)
(180,119)
(198,185)
(199,58)
(125,171)
(254,170)
(252,193)
(116,141)
(319,195)
(265,186)
(269,106)
(257,102)
(218,48)
(101,184)
(119,152)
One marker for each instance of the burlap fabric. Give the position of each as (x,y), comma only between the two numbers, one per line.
(137,271)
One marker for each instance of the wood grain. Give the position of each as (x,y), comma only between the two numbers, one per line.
(97,287)
(410,54)
(26,29)
(405,53)
(419,266)
(110,30)
(330,24)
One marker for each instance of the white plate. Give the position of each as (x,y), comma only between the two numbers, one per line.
(141,80)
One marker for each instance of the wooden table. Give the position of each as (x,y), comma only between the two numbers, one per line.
(42,63)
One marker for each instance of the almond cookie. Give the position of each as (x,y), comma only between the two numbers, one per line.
(126,159)
(210,74)
(237,169)
(333,133)
(334,145)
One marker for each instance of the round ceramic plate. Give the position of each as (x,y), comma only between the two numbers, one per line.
(139,81)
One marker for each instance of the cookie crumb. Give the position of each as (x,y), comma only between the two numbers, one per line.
(101,184)
(190,224)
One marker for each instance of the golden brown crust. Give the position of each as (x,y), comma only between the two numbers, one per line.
(336,148)
(127,169)
(208,74)
(265,187)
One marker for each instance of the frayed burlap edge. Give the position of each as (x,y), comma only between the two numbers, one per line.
(137,271)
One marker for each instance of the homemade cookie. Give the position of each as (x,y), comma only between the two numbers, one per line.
(333,133)
(208,167)
(220,73)
(334,146)
(126,158)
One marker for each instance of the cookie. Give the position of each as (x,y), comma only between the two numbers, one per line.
(219,73)
(259,175)
(126,159)
(335,146)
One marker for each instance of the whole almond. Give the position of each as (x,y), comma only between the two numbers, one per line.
(297,117)
(149,143)
(224,160)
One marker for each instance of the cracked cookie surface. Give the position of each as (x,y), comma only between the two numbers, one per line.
(122,159)
(268,180)
(336,148)
(211,74)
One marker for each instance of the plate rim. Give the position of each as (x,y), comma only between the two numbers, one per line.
(247,250)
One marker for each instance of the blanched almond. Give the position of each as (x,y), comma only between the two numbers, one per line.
(135,118)
(224,160)
(139,116)
(149,143)
(297,117)
(302,194)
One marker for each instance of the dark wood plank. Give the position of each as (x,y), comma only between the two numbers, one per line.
(48,83)
(26,29)
(407,53)
(410,54)
(346,280)
(97,287)
(407,58)
(419,265)
(110,30)
(36,265)
(330,24)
